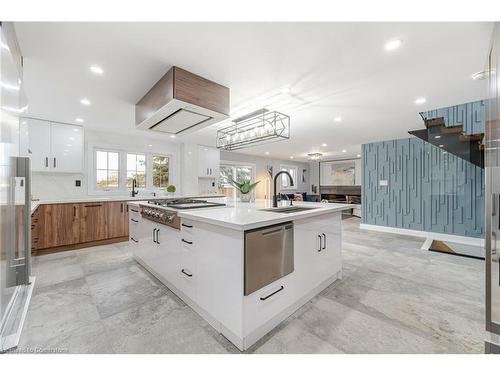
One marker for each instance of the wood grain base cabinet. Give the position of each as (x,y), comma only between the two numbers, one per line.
(72,225)
(58,225)
(116,219)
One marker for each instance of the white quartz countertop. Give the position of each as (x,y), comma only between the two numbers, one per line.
(88,199)
(244,216)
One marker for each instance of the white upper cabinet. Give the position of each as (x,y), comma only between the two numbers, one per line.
(36,144)
(208,162)
(52,147)
(66,148)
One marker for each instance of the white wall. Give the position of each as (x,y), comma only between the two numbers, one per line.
(261,171)
(61,185)
(314,175)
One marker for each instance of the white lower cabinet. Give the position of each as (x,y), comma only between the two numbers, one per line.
(205,263)
(262,305)
(187,267)
(318,247)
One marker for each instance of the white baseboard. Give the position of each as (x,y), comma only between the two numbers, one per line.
(420,233)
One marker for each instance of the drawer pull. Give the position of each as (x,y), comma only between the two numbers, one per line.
(188,242)
(187,274)
(135,221)
(272,294)
(134,210)
(324,241)
(133,239)
(93,205)
(187,226)
(320,243)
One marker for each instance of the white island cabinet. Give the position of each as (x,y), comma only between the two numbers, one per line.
(204,263)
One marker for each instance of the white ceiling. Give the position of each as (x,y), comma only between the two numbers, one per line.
(332,69)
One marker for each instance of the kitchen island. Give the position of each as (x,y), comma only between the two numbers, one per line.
(244,267)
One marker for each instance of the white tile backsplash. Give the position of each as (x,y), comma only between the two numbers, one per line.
(49,186)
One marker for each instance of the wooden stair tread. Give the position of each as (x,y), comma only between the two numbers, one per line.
(471,138)
(453,129)
(434,122)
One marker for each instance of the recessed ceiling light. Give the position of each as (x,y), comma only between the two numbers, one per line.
(172,136)
(150,145)
(78,119)
(267,152)
(96,69)
(358,155)
(420,100)
(286,90)
(324,145)
(344,150)
(85,101)
(337,119)
(393,44)
(437,136)
(291,157)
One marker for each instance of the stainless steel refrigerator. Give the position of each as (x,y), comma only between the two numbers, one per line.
(16,284)
(492,186)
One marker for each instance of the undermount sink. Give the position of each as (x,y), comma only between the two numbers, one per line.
(288,210)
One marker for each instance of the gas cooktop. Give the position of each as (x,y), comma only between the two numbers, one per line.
(184,204)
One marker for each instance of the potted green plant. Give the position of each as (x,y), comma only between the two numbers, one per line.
(171,189)
(245,188)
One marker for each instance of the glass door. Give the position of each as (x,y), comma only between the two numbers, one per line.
(492,186)
(15,242)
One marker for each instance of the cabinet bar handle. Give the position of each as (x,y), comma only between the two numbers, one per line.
(272,294)
(320,243)
(134,210)
(74,211)
(324,243)
(54,162)
(185,273)
(188,242)
(187,226)
(135,221)
(46,162)
(133,239)
(157,234)
(121,207)
(154,232)
(93,205)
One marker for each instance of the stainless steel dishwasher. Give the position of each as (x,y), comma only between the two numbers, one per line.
(268,255)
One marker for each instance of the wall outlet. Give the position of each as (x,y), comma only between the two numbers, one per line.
(383,183)
(78,183)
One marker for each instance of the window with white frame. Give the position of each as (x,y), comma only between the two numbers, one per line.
(107,164)
(285,181)
(237,172)
(114,170)
(160,171)
(136,170)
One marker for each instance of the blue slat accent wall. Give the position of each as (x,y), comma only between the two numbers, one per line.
(427,189)
(471,115)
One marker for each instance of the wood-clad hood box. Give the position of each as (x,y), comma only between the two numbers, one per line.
(182,102)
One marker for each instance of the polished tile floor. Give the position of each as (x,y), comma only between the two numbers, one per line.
(393,298)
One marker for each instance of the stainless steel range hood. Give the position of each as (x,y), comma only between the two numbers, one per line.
(182,102)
